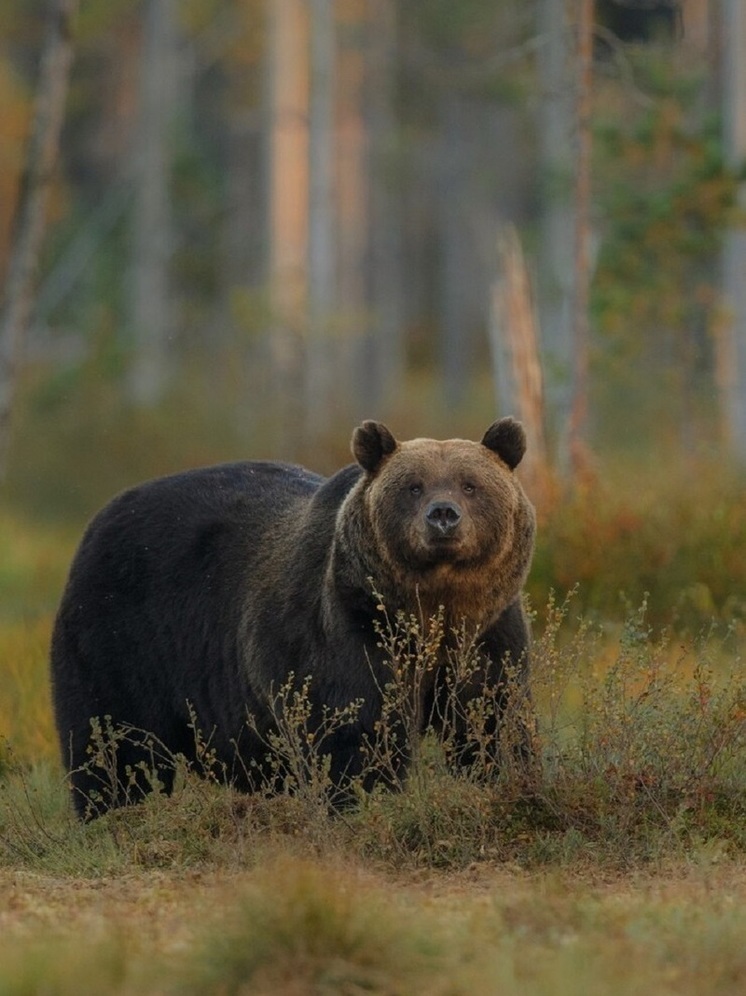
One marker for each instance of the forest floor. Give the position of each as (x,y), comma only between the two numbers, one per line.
(485,929)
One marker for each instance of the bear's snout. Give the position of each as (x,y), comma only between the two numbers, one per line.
(443,517)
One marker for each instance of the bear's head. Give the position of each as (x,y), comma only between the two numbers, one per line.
(447,520)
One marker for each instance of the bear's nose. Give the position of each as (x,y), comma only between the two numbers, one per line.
(443,516)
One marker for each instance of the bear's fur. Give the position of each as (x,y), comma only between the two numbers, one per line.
(193,598)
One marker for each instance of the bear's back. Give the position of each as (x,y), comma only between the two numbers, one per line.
(241,492)
(208,523)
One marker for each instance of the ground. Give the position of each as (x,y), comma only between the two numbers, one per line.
(676,930)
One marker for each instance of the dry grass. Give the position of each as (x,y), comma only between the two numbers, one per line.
(296,925)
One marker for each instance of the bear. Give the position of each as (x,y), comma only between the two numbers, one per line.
(194,598)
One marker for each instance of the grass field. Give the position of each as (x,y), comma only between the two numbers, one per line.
(621,869)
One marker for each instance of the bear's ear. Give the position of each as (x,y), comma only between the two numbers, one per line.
(371,442)
(508,439)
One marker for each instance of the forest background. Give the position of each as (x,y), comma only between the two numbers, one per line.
(268,221)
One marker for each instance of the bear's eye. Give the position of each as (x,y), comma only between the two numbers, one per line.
(415,489)
(468,488)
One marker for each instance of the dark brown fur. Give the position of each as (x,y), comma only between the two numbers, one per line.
(196,597)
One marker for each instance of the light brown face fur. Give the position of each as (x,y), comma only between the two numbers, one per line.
(476,563)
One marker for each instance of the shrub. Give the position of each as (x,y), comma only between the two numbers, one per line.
(673,534)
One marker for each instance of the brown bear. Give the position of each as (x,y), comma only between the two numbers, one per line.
(194,598)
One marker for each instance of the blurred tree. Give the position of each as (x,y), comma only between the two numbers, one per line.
(242,235)
(319,386)
(385,349)
(152,228)
(27,237)
(518,374)
(734,255)
(352,172)
(441,125)
(662,205)
(14,122)
(578,428)
(454,163)
(288,191)
(465,74)
(555,125)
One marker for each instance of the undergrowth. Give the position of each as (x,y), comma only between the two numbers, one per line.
(637,754)
(670,532)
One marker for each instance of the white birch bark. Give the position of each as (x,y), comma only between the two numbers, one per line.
(555,270)
(152,238)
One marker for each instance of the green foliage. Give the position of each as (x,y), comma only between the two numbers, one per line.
(665,197)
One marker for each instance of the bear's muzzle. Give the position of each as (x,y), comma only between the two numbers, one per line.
(442,518)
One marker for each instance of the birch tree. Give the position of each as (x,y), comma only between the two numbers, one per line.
(555,270)
(152,239)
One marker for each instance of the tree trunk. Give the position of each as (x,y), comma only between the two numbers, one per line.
(578,445)
(732,360)
(152,237)
(30,216)
(385,265)
(514,340)
(555,270)
(353,185)
(288,212)
(321,241)
(456,340)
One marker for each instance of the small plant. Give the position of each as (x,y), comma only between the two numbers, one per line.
(437,680)
(105,785)
(298,760)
